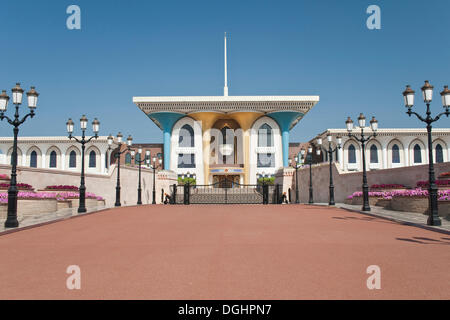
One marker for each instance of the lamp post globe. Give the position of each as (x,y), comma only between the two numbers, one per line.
(445,94)
(4,99)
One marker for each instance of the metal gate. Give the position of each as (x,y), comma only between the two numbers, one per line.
(225,192)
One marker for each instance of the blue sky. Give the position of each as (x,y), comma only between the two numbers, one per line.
(144,47)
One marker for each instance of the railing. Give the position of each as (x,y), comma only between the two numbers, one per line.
(225,192)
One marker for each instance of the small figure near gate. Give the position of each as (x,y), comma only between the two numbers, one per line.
(166,199)
(284,199)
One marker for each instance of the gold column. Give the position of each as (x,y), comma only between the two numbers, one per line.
(246,120)
(207,121)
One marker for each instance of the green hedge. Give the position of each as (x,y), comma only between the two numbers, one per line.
(268,181)
(191,181)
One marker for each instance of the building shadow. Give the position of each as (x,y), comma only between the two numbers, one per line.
(424,240)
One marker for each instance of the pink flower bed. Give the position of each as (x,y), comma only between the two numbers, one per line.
(442,194)
(48,195)
(439,183)
(4,177)
(387,186)
(19,185)
(61,187)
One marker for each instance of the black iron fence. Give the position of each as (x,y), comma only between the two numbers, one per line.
(225,193)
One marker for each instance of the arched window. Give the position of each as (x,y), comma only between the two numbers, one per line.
(186,140)
(373,154)
(351,154)
(92,159)
(265,136)
(137,158)
(72,159)
(186,136)
(439,154)
(417,154)
(128,158)
(53,159)
(395,154)
(33,159)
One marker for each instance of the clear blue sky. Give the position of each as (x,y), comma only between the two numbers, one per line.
(145,47)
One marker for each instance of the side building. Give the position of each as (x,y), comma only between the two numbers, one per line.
(391,148)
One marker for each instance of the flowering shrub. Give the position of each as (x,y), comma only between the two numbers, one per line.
(442,194)
(4,177)
(61,187)
(48,195)
(19,185)
(425,184)
(387,186)
(100,198)
(30,195)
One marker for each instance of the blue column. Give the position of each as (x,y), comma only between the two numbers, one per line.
(166,120)
(285,120)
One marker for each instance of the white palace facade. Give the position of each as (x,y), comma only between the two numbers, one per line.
(391,148)
(57,153)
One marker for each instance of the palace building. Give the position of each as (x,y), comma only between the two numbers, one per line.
(391,148)
(237,137)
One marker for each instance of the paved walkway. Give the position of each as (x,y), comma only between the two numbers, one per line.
(399,216)
(225,252)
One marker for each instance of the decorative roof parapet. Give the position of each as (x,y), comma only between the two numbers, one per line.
(226,104)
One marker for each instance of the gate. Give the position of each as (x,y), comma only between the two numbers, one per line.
(225,192)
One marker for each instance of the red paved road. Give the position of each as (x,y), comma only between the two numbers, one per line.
(225,252)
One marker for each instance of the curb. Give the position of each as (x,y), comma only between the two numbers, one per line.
(37,225)
(399,221)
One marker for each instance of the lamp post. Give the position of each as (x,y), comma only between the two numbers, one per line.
(140,161)
(83,141)
(117,156)
(330,157)
(427,92)
(154,179)
(17,93)
(309,161)
(295,164)
(363,140)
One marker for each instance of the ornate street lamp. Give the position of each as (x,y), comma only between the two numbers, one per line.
(427,92)
(330,152)
(117,156)
(154,166)
(83,141)
(17,93)
(309,161)
(295,164)
(363,140)
(140,161)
